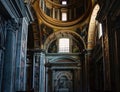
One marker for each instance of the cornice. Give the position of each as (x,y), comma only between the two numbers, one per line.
(14,8)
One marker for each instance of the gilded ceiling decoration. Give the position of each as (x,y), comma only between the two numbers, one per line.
(76,15)
(92,28)
(50,12)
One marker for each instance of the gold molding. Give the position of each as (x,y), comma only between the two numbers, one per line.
(61,24)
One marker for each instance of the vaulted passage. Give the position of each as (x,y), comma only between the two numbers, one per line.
(59,46)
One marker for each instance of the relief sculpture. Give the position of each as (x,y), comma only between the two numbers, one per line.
(63,84)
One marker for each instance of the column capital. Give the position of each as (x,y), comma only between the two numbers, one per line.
(12,25)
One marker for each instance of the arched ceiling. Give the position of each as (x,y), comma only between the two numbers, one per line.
(92,26)
(64,34)
(79,20)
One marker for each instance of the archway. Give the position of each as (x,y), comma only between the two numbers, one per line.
(62,65)
(64,75)
(92,26)
(65,34)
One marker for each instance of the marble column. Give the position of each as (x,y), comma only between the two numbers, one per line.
(53,13)
(39,71)
(42,72)
(2,47)
(9,58)
(85,71)
(1,65)
(36,70)
(58,14)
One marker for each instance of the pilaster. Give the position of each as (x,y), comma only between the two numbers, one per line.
(21,55)
(9,58)
(39,71)
(2,47)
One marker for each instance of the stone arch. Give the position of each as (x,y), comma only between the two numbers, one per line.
(91,29)
(63,33)
(59,59)
(64,73)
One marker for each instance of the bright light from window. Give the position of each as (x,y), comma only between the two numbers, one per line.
(64,2)
(64,45)
(100,30)
(64,16)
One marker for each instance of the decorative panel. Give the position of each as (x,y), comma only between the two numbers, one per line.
(36,72)
(62,81)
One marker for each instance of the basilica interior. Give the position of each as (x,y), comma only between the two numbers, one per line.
(59,46)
